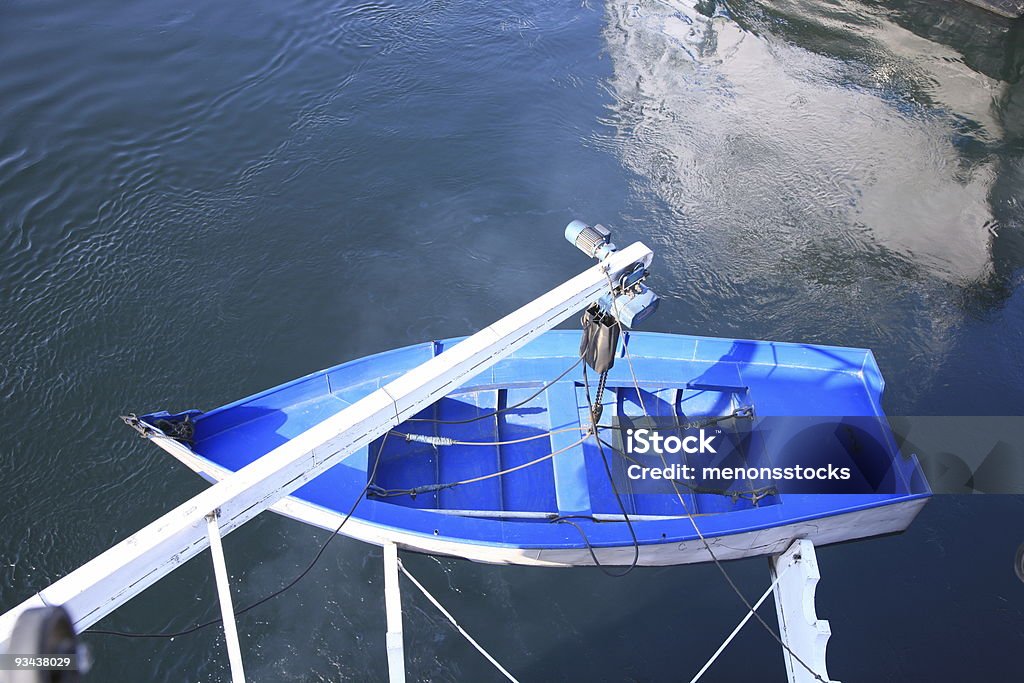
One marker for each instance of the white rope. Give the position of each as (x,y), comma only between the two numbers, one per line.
(725,574)
(450,618)
(752,611)
(739,626)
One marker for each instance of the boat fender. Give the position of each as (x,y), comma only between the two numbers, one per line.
(432,440)
(600,339)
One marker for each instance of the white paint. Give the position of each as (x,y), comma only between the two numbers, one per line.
(743,622)
(393,610)
(125,570)
(227,610)
(458,627)
(776,540)
(803,633)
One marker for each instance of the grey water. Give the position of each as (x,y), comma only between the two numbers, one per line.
(202,200)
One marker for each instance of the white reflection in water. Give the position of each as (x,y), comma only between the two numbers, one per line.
(769,147)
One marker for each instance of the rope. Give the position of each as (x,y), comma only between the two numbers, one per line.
(445,441)
(182,431)
(707,546)
(243,610)
(740,625)
(454,623)
(386,493)
(594,416)
(753,495)
(741,412)
(506,408)
(523,465)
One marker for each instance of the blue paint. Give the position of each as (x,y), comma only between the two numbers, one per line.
(679,375)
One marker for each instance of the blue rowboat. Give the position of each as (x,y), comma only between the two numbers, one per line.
(435,487)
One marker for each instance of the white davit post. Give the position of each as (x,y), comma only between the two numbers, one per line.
(800,629)
(227,610)
(105,583)
(393,612)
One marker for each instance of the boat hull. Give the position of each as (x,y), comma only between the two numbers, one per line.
(871,522)
(512,519)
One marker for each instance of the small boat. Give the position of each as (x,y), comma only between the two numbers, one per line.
(500,448)
(506,468)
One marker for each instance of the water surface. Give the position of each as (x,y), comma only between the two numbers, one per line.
(202,200)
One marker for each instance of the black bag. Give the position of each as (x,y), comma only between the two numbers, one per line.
(600,339)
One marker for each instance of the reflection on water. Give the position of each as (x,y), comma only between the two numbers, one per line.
(828,131)
(198,203)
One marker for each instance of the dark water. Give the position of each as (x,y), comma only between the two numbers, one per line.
(202,200)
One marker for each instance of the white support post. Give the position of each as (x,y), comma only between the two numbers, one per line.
(393,610)
(803,634)
(227,610)
(105,583)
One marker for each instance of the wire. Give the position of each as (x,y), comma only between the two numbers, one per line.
(451,619)
(523,465)
(387,493)
(754,495)
(506,408)
(707,546)
(455,442)
(597,563)
(299,577)
(741,412)
(615,490)
(743,622)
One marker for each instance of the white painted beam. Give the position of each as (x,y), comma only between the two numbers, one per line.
(393,610)
(227,610)
(804,634)
(102,585)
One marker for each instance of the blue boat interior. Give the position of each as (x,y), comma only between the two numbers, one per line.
(680,377)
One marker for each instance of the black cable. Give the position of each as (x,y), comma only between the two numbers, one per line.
(750,607)
(743,412)
(586,541)
(430,488)
(756,494)
(243,610)
(707,546)
(615,490)
(506,408)
(718,562)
